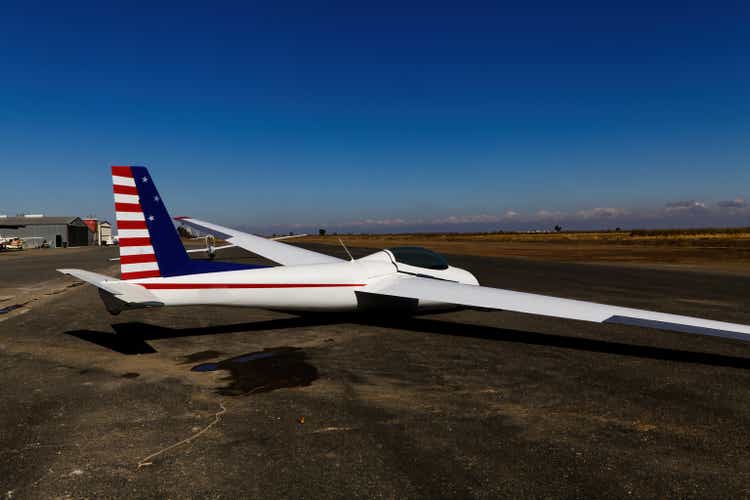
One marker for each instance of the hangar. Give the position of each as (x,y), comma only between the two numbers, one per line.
(57,231)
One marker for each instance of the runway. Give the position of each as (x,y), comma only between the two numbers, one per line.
(457,405)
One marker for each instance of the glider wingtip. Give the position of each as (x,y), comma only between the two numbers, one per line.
(735,333)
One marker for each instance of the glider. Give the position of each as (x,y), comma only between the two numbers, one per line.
(156,271)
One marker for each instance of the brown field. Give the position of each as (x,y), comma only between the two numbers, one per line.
(725,250)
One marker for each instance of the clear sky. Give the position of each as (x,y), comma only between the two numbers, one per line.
(398,116)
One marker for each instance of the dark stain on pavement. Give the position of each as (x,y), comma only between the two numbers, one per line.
(199,356)
(264,371)
(7,309)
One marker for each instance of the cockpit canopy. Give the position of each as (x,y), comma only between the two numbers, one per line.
(419,257)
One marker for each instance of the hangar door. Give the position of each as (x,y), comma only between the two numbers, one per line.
(78,236)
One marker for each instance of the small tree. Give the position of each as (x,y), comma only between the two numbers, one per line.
(321,232)
(558,228)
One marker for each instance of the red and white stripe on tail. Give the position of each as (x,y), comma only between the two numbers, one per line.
(137,257)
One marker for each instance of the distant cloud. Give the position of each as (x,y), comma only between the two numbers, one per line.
(550,214)
(691,206)
(448,220)
(736,203)
(380,222)
(681,213)
(738,206)
(724,208)
(467,219)
(601,213)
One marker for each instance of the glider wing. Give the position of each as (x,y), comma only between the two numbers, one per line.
(495,298)
(282,253)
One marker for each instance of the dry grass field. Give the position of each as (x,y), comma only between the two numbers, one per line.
(705,249)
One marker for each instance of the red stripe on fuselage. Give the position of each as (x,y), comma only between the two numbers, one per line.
(140,274)
(128,207)
(137,259)
(202,286)
(120,189)
(131,224)
(122,171)
(135,242)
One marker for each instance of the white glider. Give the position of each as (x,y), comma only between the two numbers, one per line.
(157,271)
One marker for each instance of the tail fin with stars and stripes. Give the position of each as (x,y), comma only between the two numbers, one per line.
(150,245)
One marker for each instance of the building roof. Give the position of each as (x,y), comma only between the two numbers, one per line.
(39,221)
(91,223)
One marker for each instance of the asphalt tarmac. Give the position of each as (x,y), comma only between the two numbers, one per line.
(457,405)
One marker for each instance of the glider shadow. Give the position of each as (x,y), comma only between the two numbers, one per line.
(438,327)
(132,338)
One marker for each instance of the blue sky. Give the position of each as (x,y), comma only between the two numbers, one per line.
(399,116)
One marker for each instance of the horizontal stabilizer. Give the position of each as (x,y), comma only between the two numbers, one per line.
(209,249)
(130,293)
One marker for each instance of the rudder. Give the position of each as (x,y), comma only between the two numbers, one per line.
(149,243)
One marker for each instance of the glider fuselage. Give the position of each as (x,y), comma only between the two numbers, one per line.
(317,287)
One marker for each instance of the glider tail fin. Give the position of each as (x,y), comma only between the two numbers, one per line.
(149,243)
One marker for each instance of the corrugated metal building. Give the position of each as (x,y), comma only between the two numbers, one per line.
(58,231)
